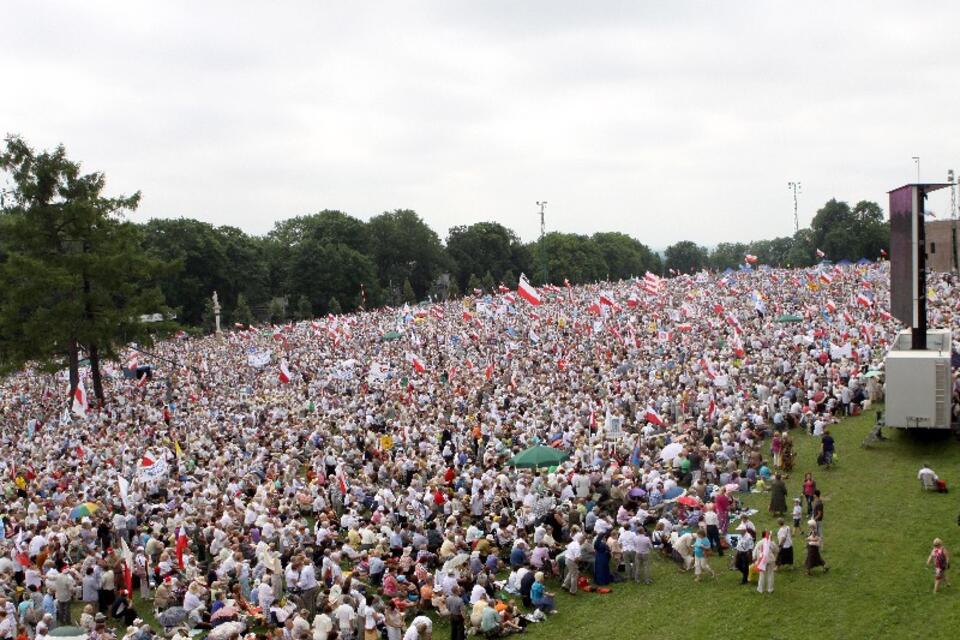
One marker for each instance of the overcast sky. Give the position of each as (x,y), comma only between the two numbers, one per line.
(665,120)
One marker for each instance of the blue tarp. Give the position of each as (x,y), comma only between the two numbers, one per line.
(863,261)
(844,263)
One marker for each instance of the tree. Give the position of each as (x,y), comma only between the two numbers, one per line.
(487,283)
(570,256)
(241,311)
(408,294)
(686,257)
(624,256)
(304,308)
(473,282)
(404,247)
(277,310)
(73,277)
(321,270)
(486,246)
(728,255)
(333,306)
(834,231)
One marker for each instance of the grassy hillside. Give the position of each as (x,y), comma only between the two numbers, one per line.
(878,530)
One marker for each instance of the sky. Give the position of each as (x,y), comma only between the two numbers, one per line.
(665,120)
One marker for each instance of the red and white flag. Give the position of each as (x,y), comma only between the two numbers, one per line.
(751,259)
(607,298)
(503,288)
(830,306)
(79,404)
(826,278)
(416,362)
(182,543)
(467,316)
(528,292)
(864,300)
(285,376)
(821,254)
(127,556)
(653,417)
(883,253)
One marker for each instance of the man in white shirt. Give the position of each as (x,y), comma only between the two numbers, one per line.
(308,586)
(628,543)
(571,562)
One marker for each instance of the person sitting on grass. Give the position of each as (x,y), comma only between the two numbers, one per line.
(540,597)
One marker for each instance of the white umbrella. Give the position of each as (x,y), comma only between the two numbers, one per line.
(670,451)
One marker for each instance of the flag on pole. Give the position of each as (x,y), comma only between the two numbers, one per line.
(750,259)
(821,254)
(127,556)
(528,292)
(124,487)
(79,405)
(182,543)
(864,300)
(416,362)
(284,376)
(653,417)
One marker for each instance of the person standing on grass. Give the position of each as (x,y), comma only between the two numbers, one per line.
(764,558)
(828,447)
(809,486)
(785,542)
(700,563)
(818,513)
(744,554)
(940,560)
(571,564)
(778,496)
(814,558)
(712,521)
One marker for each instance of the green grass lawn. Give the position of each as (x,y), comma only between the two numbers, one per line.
(878,529)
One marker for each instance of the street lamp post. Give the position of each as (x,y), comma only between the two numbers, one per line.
(795,186)
(543,232)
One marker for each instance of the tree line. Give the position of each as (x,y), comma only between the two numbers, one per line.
(76,275)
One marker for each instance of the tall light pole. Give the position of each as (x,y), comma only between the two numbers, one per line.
(953,216)
(543,232)
(916,159)
(796,216)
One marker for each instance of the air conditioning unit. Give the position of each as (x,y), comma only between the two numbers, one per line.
(918,389)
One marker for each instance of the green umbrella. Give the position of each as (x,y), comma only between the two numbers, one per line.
(789,318)
(391,335)
(538,456)
(873,374)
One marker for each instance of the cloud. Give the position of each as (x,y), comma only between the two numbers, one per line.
(668,121)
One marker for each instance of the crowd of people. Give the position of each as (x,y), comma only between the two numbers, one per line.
(350,477)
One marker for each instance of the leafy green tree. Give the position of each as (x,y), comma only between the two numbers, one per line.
(486,246)
(304,308)
(207,259)
(404,247)
(473,282)
(569,255)
(624,256)
(72,276)
(241,311)
(321,270)
(333,306)
(834,231)
(487,283)
(686,257)
(277,310)
(801,252)
(728,255)
(409,295)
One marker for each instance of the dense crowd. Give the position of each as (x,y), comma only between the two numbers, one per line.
(351,477)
